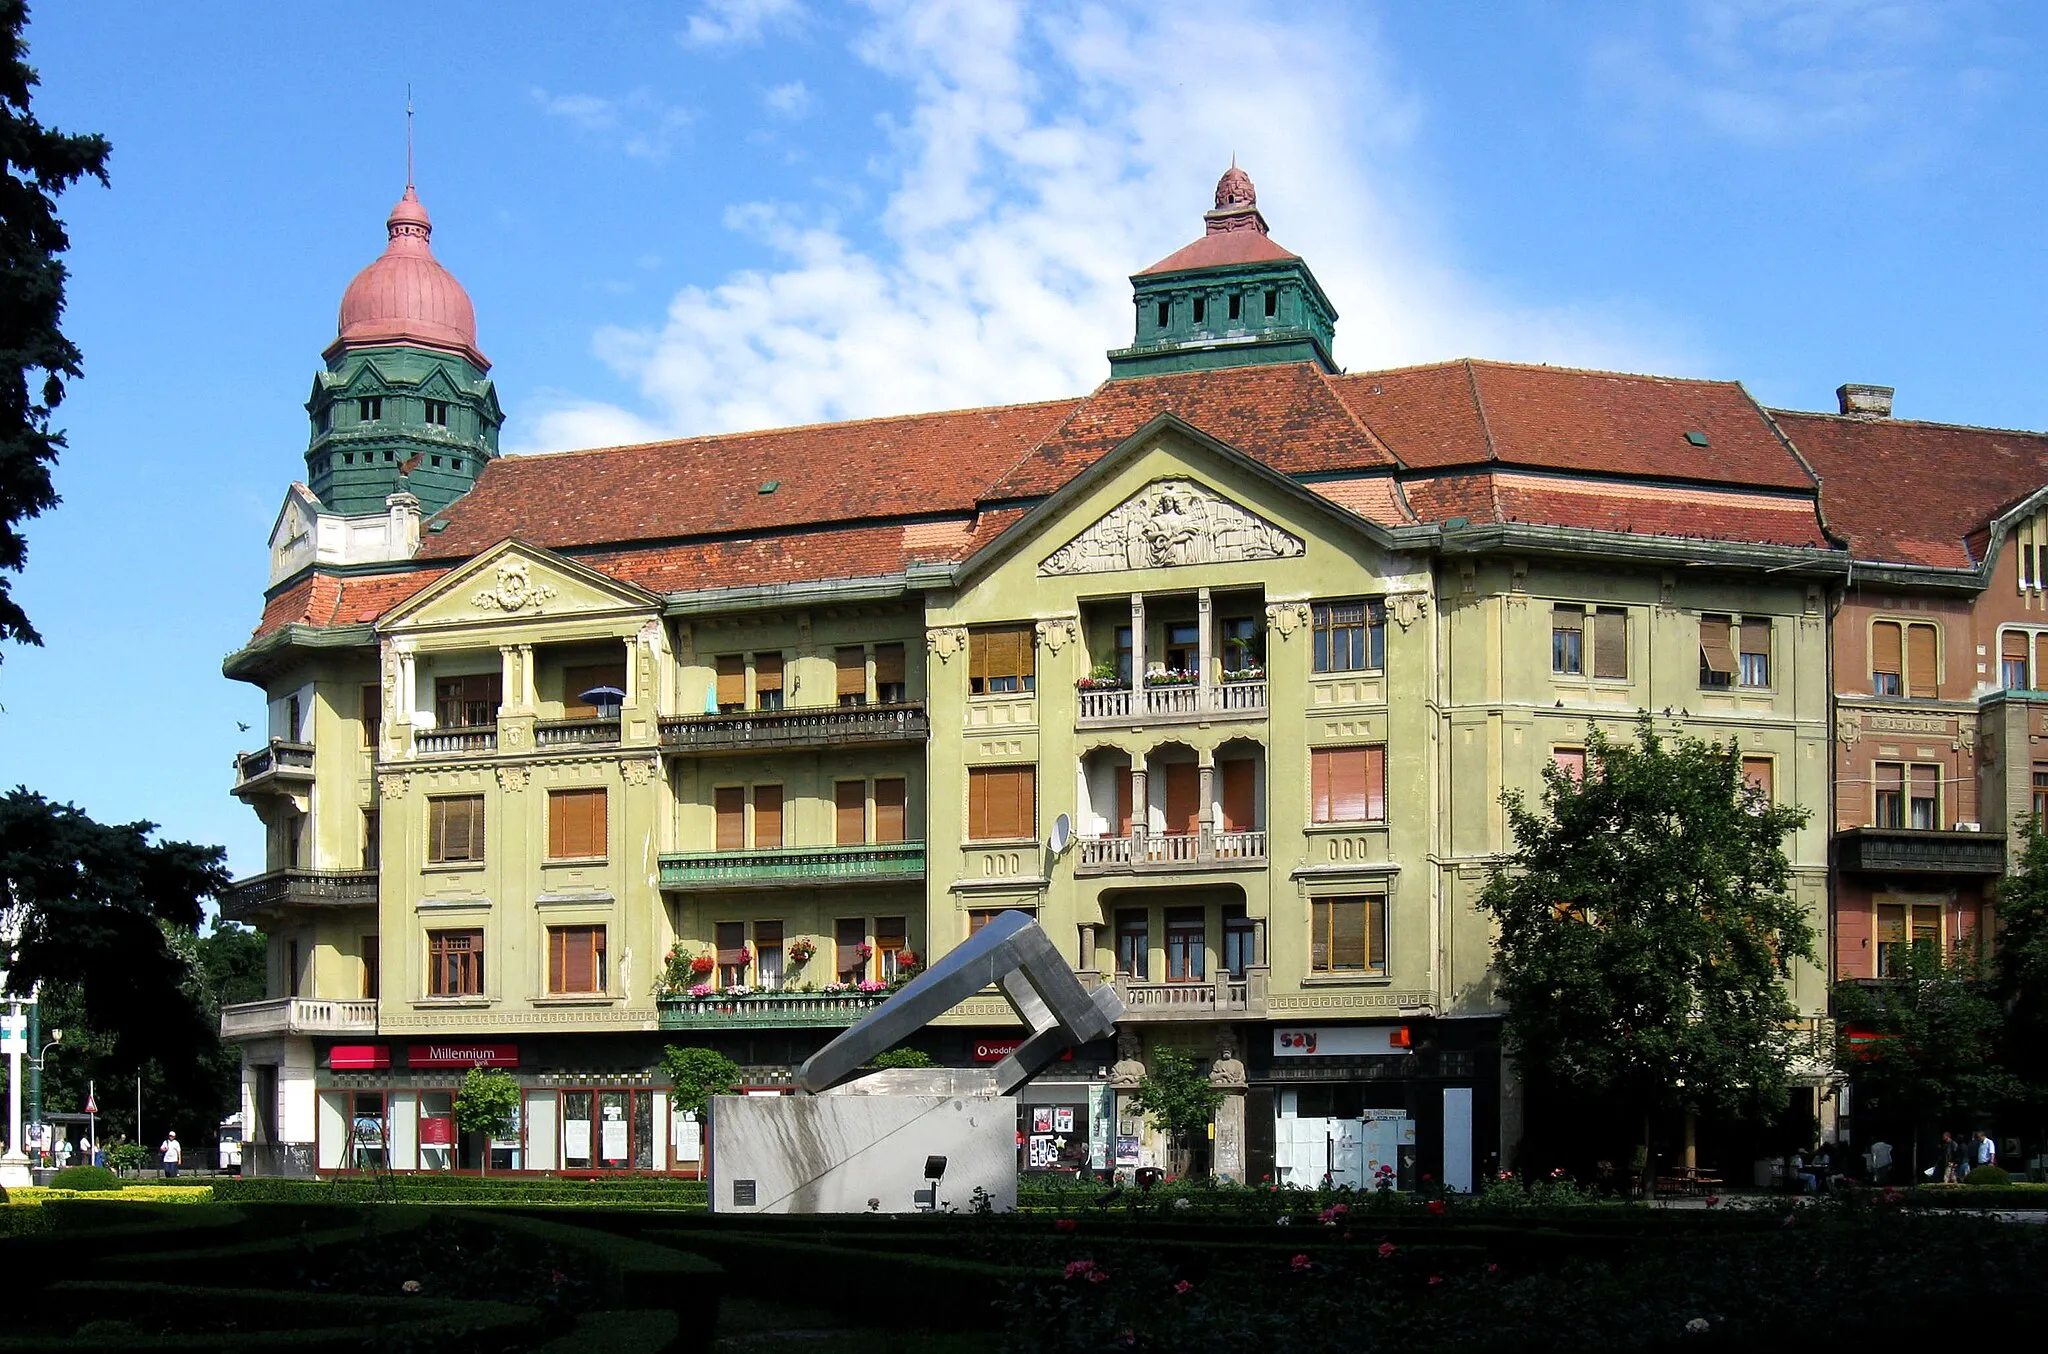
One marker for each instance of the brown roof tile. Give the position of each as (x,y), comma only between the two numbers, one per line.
(1223,250)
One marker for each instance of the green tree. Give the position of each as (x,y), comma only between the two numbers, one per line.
(902,1057)
(2020,971)
(1646,926)
(1176,1096)
(35,357)
(697,1074)
(488,1103)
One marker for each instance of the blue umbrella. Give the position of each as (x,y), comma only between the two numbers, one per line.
(607,699)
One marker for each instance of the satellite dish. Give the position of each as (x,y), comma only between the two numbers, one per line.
(1062,835)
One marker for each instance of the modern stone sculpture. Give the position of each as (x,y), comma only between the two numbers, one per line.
(912,1138)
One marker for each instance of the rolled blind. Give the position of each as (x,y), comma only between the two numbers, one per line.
(999,653)
(730,804)
(1715,653)
(1375,785)
(730,938)
(890,933)
(455,828)
(2040,659)
(2012,646)
(853,670)
(1123,801)
(767,938)
(848,935)
(1922,675)
(850,805)
(732,679)
(576,822)
(1926,782)
(575,959)
(1568,618)
(1002,802)
(1610,643)
(889,663)
(767,817)
(890,795)
(1183,797)
(1885,652)
(1756,637)
(767,672)
(577,680)
(1891,924)
(1757,771)
(1342,785)
(1239,781)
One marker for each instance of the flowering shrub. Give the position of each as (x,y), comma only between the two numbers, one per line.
(1250,673)
(907,961)
(745,956)
(700,990)
(702,963)
(1172,677)
(1092,683)
(872,986)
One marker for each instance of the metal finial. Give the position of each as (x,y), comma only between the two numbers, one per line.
(408,135)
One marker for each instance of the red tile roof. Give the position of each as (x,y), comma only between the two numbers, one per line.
(1916,493)
(1660,510)
(1226,249)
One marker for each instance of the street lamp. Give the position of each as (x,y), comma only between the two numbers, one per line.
(35,1080)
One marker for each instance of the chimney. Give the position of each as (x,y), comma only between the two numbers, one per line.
(404,511)
(1865,401)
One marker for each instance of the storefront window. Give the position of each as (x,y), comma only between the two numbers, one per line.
(366,1126)
(437,1130)
(1055,1136)
(576,1130)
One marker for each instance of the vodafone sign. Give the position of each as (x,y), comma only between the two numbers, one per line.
(995,1050)
(462,1055)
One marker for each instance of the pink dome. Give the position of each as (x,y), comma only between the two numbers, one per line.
(406,296)
(1235,189)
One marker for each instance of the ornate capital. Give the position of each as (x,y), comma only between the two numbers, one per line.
(1286,617)
(638,770)
(946,640)
(512,779)
(1059,632)
(393,787)
(515,590)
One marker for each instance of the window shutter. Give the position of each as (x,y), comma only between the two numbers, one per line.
(558,959)
(1923,678)
(1347,933)
(576,823)
(767,817)
(890,796)
(1347,785)
(1571,619)
(1714,651)
(850,802)
(1239,794)
(731,806)
(1024,801)
(1123,801)
(2040,659)
(977,658)
(1183,798)
(1376,935)
(1376,785)
(852,663)
(889,665)
(732,679)
(1001,802)
(1756,637)
(1571,761)
(2012,646)
(558,825)
(1757,771)
(1319,786)
(1885,648)
(767,672)
(977,803)
(848,935)
(577,680)
(456,828)
(891,933)
(1927,782)
(1610,643)
(730,939)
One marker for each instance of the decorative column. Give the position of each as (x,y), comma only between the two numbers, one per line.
(1137,655)
(1088,966)
(14,1172)
(1205,771)
(1141,810)
(1205,647)
(1259,942)
(1227,1075)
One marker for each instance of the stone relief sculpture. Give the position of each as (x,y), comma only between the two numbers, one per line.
(1227,1070)
(1170,523)
(514,590)
(946,640)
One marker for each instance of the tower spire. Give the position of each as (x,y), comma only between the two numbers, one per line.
(408,138)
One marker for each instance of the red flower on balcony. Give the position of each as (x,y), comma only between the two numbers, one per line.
(702,963)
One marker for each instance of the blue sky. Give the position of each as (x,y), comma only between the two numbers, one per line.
(741,213)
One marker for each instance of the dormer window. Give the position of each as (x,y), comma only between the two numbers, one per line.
(437,413)
(1201,309)
(1272,303)
(1165,313)
(369,410)
(1236,306)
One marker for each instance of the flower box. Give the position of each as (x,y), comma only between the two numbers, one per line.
(1171,677)
(1102,684)
(1251,674)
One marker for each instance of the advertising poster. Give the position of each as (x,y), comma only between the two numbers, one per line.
(1126,1151)
(1063,1119)
(1098,1129)
(576,1140)
(1043,1151)
(689,1137)
(614,1141)
(1041,1118)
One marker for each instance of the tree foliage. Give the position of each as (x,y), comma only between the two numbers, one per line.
(1176,1096)
(35,357)
(697,1075)
(1646,926)
(2020,966)
(1924,1040)
(488,1103)
(903,1057)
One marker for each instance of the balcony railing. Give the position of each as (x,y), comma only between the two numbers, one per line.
(273,766)
(1894,850)
(1230,699)
(1197,1000)
(557,733)
(880,863)
(442,742)
(297,1015)
(769,730)
(1171,851)
(299,888)
(766,1010)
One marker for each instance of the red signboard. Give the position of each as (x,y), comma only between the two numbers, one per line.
(462,1055)
(995,1050)
(437,1131)
(359,1057)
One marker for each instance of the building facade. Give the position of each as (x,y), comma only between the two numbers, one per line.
(1220,670)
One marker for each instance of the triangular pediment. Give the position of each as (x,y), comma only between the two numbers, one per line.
(1167,524)
(516,583)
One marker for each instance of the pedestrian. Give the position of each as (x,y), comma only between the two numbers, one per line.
(1880,1162)
(1987,1150)
(62,1151)
(1951,1159)
(172,1154)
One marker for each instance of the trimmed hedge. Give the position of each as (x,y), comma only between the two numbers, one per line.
(85,1178)
(439,1187)
(641,1332)
(1988,1175)
(637,1274)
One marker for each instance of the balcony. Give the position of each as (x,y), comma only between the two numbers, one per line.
(1202,1000)
(455,742)
(278,768)
(767,1010)
(298,888)
(1171,704)
(880,863)
(1169,852)
(1898,850)
(572,733)
(297,1015)
(776,730)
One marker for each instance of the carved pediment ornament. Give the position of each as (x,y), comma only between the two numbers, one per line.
(638,770)
(1286,617)
(515,589)
(946,640)
(393,787)
(1058,633)
(1408,607)
(1167,524)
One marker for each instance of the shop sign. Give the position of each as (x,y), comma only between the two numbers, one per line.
(1338,1041)
(359,1057)
(995,1050)
(437,1130)
(462,1055)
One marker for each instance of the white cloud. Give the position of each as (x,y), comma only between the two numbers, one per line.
(732,23)
(1048,152)
(639,124)
(792,100)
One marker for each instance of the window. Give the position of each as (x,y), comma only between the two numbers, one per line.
(1123,654)
(851,664)
(1002,803)
(1165,313)
(373,715)
(892,938)
(768,955)
(1242,648)
(294,719)
(2012,661)
(729,938)
(1348,935)
(590,677)
(1756,651)
(1903,924)
(1923,806)
(1201,309)
(291,968)
(372,979)
(576,824)
(292,830)
(575,959)
(891,823)
(1000,661)
(1757,771)
(373,840)
(455,963)
(729,815)
(767,817)
(437,413)
(455,830)
(1236,306)
(849,938)
(1183,645)
(1348,785)
(1887,659)
(1569,626)
(1240,942)
(1568,640)
(892,685)
(1905,659)
(370,410)
(1272,304)
(1571,761)
(467,702)
(978,917)
(850,812)
(1889,797)
(1238,786)
(1133,944)
(1350,636)
(2041,795)
(732,683)
(1186,938)
(1717,652)
(1923,672)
